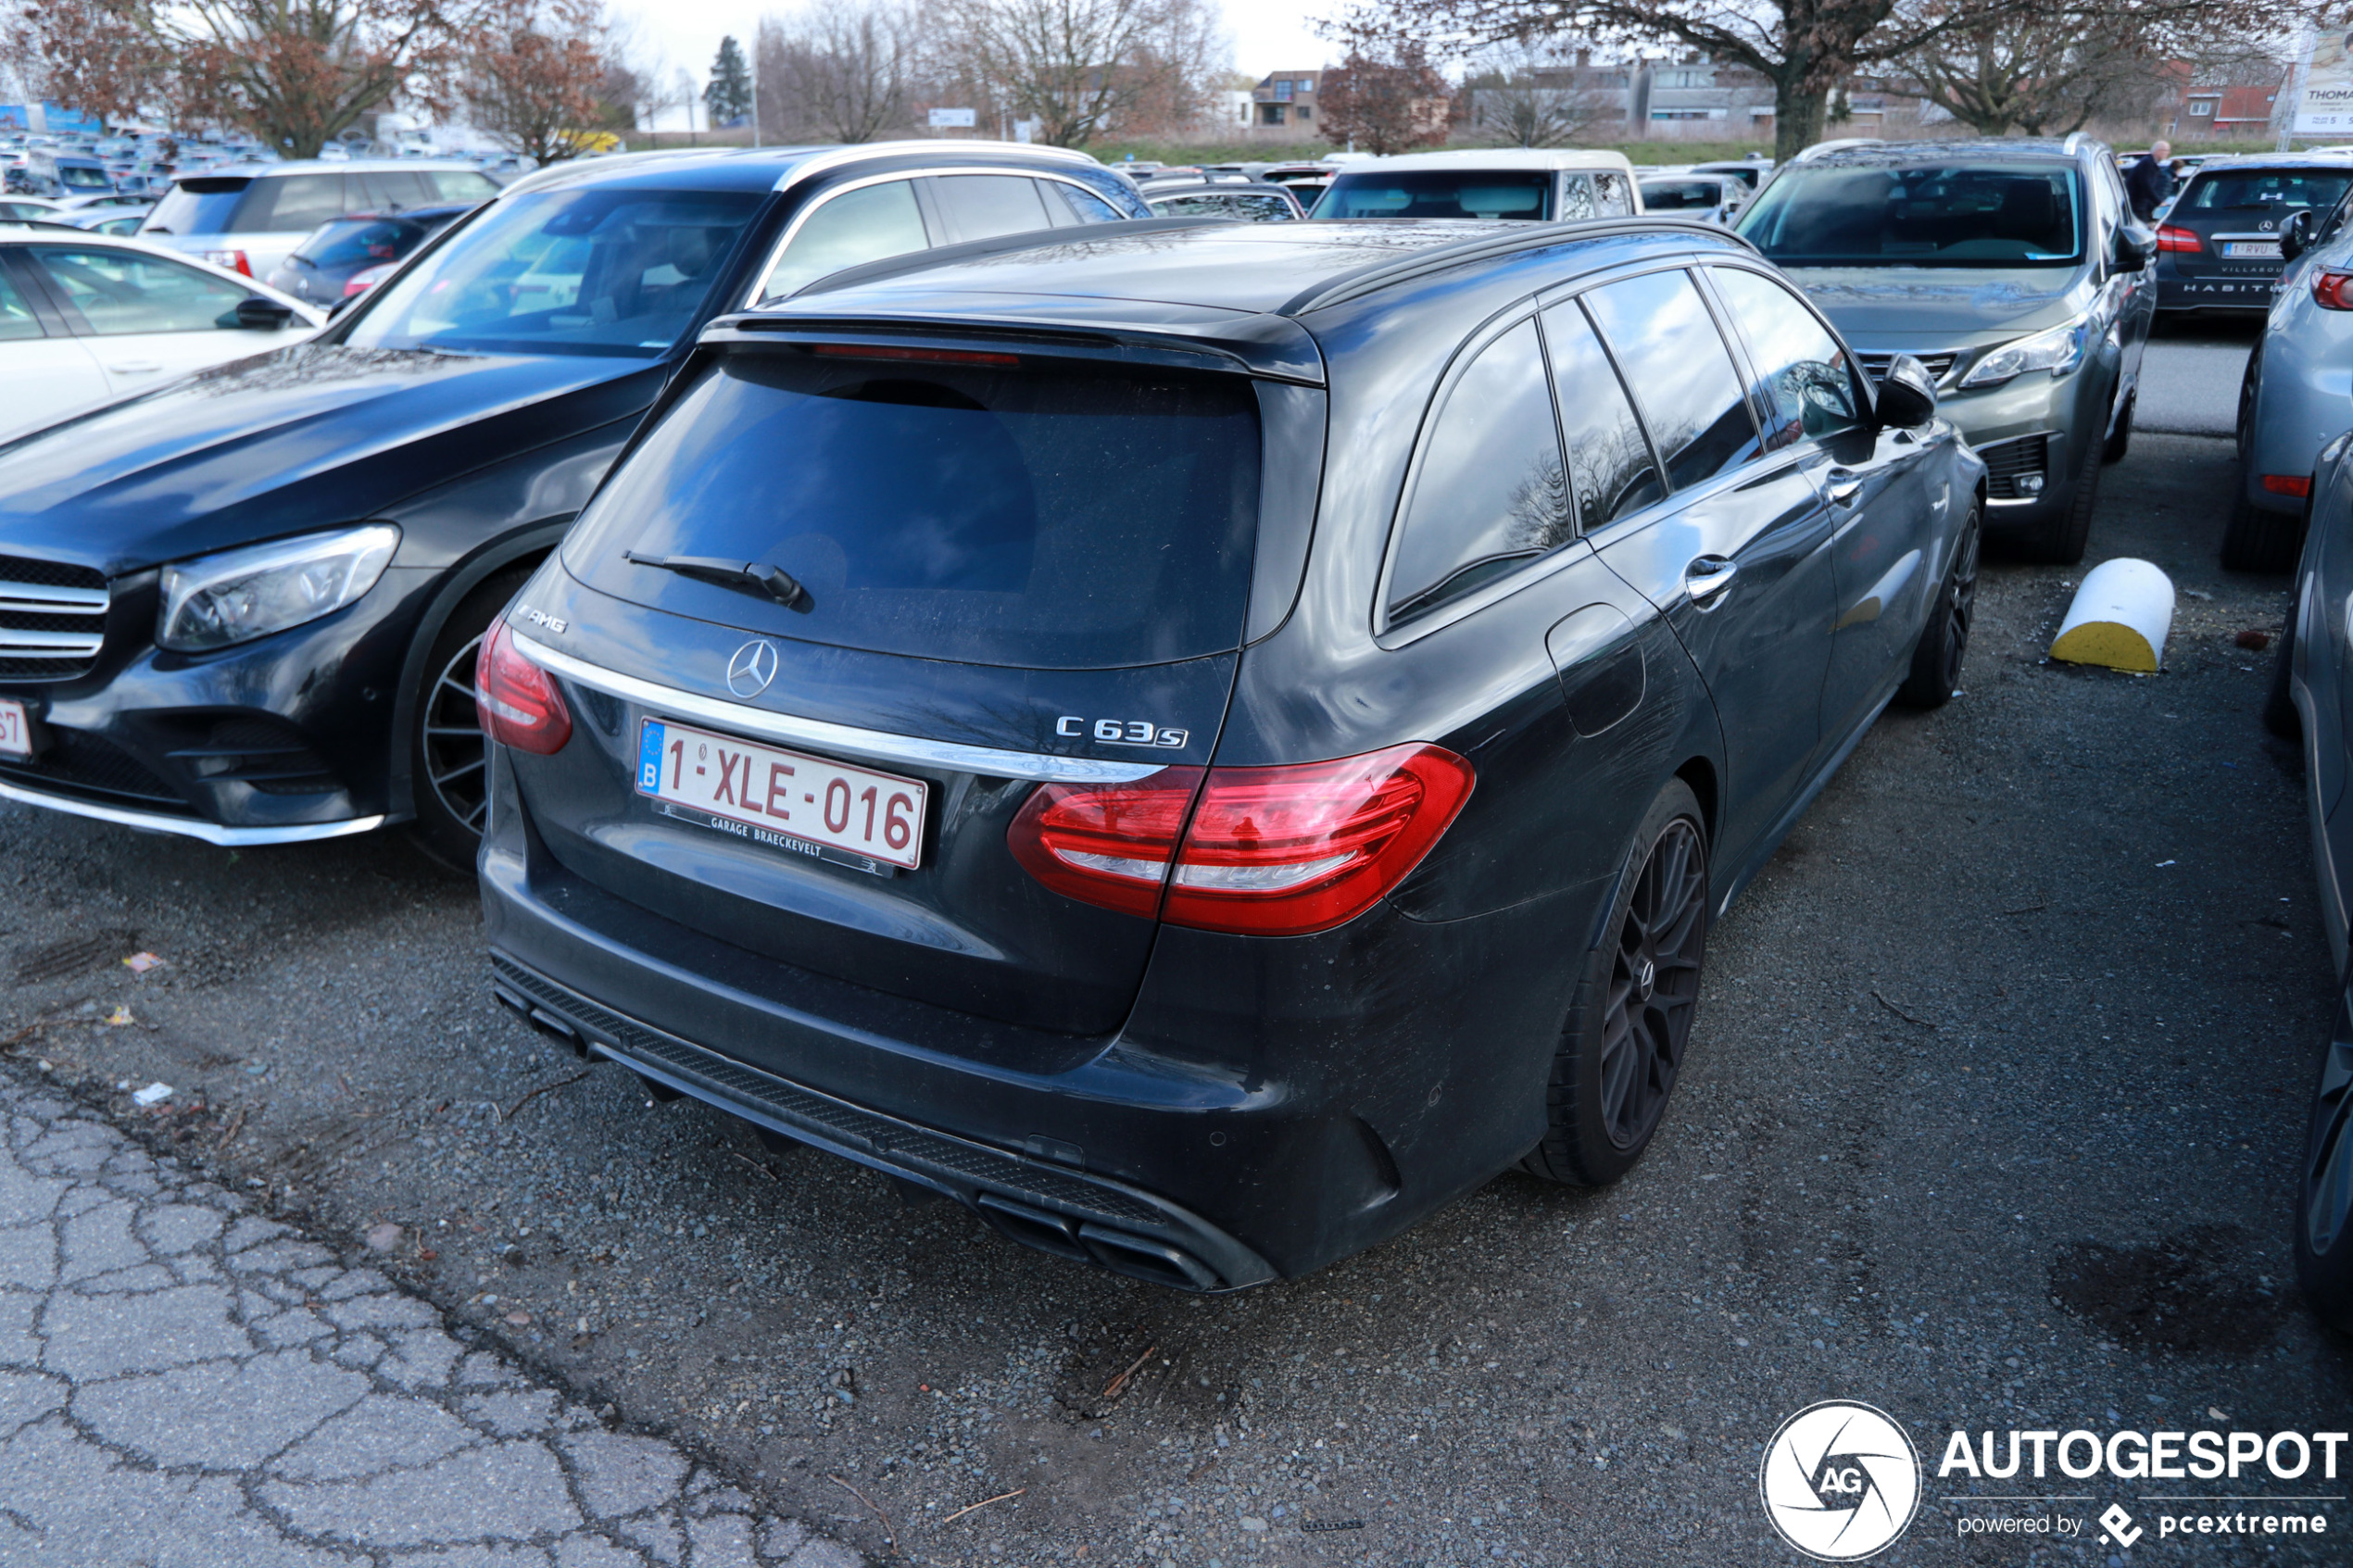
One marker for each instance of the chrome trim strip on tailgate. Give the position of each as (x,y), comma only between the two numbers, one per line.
(880,744)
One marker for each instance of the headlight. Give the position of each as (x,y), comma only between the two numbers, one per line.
(215,600)
(2057,351)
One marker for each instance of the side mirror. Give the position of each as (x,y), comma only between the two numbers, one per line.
(258,315)
(1906,395)
(2296,235)
(2132,252)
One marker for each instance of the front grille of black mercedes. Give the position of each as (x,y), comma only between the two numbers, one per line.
(2006,462)
(53,619)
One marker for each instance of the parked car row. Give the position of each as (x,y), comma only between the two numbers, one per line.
(886,627)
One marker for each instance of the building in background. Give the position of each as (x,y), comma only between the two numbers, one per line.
(2237,107)
(1283,106)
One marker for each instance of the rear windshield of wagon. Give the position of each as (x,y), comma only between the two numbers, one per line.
(1035,516)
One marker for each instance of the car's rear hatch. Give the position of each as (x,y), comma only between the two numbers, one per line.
(2235,215)
(1004,567)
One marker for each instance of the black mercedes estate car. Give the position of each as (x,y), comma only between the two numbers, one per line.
(245,606)
(1206,743)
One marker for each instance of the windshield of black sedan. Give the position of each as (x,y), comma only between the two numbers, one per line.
(1940,215)
(595,271)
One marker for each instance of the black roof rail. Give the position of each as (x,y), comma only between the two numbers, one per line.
(1392,270)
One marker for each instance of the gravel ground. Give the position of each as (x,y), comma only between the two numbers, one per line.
(1990,1120)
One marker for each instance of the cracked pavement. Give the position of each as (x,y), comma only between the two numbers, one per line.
(182,1380)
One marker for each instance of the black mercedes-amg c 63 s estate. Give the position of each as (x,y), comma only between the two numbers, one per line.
(1205,743)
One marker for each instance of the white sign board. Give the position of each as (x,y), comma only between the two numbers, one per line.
(2325,107)
(954,119)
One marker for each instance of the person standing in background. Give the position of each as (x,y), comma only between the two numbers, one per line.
(2149,181)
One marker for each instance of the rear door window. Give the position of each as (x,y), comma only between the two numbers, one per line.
(121,291)
(866,224)
(17,320)
(295,202)
(459,184)
(1610,464)
(1681,373)
(981,206)
(392,190)
(1057,518)
(1489,492)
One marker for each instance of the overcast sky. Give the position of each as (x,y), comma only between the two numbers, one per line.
(1267,34)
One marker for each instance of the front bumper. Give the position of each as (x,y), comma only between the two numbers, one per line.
(286,739)
(2036,427)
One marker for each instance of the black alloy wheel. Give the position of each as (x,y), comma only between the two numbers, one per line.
(1654,985)
(1629,1019)
(455,754)
(1937,658)
(449,759)
(2324,1187)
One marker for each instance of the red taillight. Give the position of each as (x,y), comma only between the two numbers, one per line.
(2288,484)
(2168,237)
(2333,290)
(518,705)
(232,259)
(1268,852)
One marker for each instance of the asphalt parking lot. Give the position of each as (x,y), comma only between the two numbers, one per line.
(1990,1120)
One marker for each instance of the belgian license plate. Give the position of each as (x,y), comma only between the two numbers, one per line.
(786,800)
(16,733)
(2268,250)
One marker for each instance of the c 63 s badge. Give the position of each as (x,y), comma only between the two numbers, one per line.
(1120,732)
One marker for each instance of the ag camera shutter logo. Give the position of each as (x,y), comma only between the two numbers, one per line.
(1840,1481)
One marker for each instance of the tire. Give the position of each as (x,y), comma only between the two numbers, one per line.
(2060,541)
(2324,1185)
(2260,541)
(1622,1045)
(1943,641)
(2279,708)
(2120,441)
(446,756)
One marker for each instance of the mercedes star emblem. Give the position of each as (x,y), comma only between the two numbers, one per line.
(752,667)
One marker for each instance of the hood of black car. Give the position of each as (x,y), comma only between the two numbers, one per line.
(312,436)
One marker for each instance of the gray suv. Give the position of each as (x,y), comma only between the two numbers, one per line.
(2015,271)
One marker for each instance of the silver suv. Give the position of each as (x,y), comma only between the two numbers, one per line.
(250,217)
(2015,271)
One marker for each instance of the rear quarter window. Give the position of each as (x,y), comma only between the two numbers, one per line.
(1044,517)
(198,206)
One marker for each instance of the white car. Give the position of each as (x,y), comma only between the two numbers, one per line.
(86,319)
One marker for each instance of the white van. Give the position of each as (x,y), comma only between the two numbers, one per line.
(1541,185)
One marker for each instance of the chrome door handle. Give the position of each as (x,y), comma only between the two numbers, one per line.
(136,367)
(1707,577)
(1845,487)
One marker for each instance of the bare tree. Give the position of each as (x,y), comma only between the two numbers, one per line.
(1533,93)
(2047,74)
(1384,100)
(841,70)
(533,77)
(296,72)
(1078,69)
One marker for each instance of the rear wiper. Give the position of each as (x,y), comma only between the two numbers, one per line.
(748,576)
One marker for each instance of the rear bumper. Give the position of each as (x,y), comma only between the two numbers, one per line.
(1074,1214)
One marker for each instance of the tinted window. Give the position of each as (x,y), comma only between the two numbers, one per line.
(862,225)
(1440,192)
(1089,208)
(1489,491)
(1806,378)
(16,316)
(198,206)
(980,207)
(122,291)
(1610,465)
(1679,195)
(1261,207)
(392,190)
(2281,189)
(1051,519)
(360,241)
(1680,371)
(297,202)
(609,271)
(1942,214)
